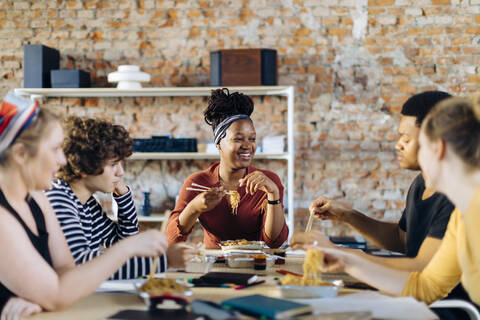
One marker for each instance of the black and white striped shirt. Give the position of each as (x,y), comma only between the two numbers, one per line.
(88,230)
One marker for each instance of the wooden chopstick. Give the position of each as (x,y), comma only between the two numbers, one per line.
(196,189)
(154,268)
(202,190)
(200,186)
(309,223)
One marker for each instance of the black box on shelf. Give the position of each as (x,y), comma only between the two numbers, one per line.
(38,60)
(165,144)
(70,78)
(243,67)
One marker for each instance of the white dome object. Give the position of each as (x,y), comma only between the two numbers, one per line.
(128,77)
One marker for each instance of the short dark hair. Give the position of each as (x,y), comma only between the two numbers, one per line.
(420,104)
(89,143)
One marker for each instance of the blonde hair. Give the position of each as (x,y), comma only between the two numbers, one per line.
(457,122)
(32,135)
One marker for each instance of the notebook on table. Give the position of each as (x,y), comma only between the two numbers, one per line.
(263,306)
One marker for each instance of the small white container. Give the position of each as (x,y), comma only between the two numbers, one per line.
(307,292)
(128,77)
(198,265)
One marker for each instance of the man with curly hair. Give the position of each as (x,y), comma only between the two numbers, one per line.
(94,149)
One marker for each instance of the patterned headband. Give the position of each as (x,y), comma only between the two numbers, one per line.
(221,130)
(16,114)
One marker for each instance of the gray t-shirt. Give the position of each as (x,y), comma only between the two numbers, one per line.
(423,218)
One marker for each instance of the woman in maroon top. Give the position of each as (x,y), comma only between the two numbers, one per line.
(260,211)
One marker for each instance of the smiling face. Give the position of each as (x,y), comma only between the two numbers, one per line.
(407,144)
(48,159)
(106,181)
(237,148)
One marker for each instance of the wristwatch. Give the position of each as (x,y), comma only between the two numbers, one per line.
(273,201)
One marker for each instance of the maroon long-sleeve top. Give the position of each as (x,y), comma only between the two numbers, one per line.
(220,224)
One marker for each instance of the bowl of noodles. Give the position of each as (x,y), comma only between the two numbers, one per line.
(162,288)
(310,285)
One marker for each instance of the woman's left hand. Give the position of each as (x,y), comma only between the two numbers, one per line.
(256,181)
(18,308)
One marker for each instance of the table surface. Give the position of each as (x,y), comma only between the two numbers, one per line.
(103,305)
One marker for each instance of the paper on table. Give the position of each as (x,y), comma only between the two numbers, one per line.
(126,286)
(299,253)
(379,305)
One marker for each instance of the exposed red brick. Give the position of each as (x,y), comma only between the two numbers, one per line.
(96,35)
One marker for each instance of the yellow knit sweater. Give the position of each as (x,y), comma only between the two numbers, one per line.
(457,259)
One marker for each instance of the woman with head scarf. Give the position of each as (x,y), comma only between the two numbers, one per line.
(257,211)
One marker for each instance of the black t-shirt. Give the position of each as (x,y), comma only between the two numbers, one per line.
(423,218)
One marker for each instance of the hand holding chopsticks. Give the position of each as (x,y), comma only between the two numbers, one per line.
(200,188)
(154,268)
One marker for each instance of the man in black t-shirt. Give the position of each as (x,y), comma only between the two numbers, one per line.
(424,220)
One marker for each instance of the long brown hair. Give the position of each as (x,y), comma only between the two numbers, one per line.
(457,122)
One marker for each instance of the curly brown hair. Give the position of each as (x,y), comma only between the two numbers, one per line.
(89,143)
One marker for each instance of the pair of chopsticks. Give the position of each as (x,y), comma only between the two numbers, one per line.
(310,222)
(199,187)
(154,268)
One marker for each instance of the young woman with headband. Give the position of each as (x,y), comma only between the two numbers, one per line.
(37,270)
(259,215)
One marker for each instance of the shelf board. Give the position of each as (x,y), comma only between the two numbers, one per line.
(151,218)
(197,156)
(149,92)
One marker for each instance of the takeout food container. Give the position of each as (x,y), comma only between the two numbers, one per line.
(146,297)
(199,265)
(229,245)
(246,261)
(307,292)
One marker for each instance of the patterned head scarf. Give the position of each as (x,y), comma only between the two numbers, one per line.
(221,130)
(16,114)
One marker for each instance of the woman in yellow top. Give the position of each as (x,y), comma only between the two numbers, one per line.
(450,159)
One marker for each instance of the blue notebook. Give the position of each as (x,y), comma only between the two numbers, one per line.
(263,306)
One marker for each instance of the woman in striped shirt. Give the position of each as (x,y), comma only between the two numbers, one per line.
(94,149)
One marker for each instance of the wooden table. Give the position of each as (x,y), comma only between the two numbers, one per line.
(103,305)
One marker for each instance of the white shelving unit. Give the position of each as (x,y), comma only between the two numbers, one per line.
(284,91)
(197,156)
(152,218)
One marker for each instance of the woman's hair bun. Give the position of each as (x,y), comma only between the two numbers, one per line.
(223,104)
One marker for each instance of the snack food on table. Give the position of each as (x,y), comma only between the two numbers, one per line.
(158,287)
(238,242)
(311,267)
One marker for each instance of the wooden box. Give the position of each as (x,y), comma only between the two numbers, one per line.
(243,67)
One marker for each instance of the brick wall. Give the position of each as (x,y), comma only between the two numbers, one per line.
(353,63)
